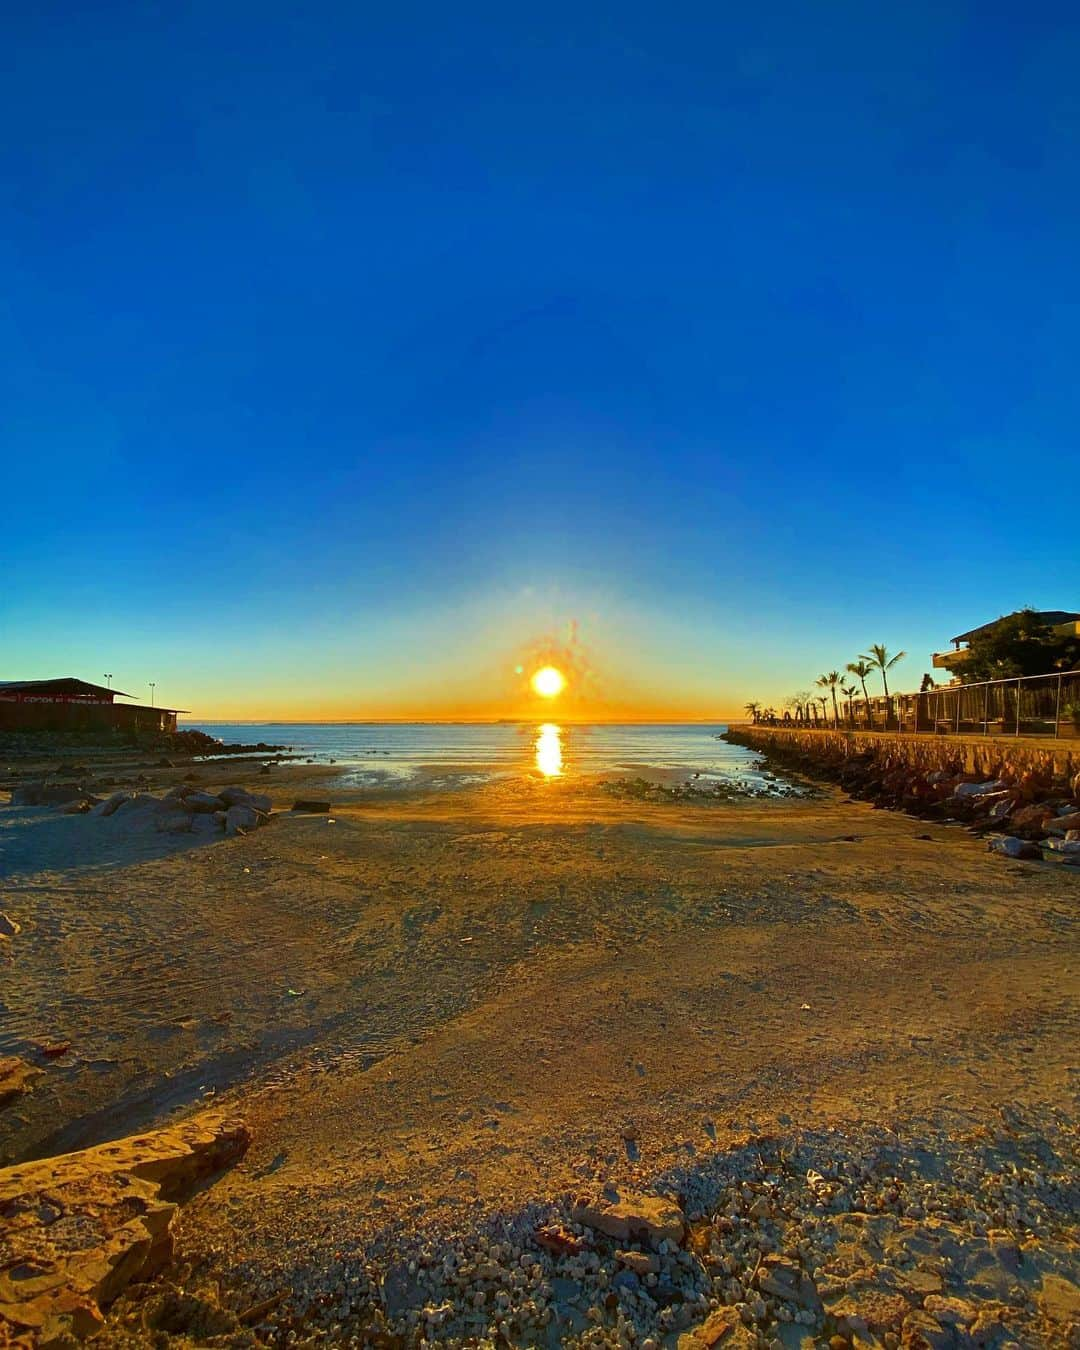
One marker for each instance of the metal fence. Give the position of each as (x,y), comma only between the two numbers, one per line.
(1034,705)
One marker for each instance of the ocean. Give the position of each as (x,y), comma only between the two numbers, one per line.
(385,752)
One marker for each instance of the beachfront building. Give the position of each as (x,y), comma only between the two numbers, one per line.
(68,704)
(1062,622)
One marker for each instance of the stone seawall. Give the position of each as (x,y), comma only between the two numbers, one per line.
(984,756)
(1023,791)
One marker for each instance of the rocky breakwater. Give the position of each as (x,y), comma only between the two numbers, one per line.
(1028,806)
(75,1230)
(184,809)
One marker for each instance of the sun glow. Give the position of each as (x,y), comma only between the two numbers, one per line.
(548,681)
(549,750)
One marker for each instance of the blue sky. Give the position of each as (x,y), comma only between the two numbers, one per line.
(349,351)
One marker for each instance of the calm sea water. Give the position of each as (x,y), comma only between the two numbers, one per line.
(374,752)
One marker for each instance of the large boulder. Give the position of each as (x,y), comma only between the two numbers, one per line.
(174,822)
(1011,847)
(242,819)
(110,804)
(142,801)
(1032,817)
(1063,824)
(118,1202)
(202,801)
(978,789)
(648,1218)
(234,796)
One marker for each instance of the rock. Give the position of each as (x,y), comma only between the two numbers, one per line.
(785,1280)
(311,806)
(1063,824)
(950,1311)
(978,789)
(724,1328)
(165,763)
(1060,1299)
(1011,847)
(110,804)
(242,819)
(15,1079)
(1067,849)
(651,1218)
(202,801)
(78,807)
(174,822)
(921,1332)
(1031,817)
(142,801)
(118,1202)
(235,796)
(8,927)
(641,1263)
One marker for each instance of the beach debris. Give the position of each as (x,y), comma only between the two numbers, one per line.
(52,1049)
(118,1202)
(311,806)
(553,1237)
(15,1079)
(9,927)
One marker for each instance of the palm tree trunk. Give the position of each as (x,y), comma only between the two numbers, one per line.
(835,711)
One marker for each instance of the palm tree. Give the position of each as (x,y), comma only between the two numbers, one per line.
(880,659)
(861,668)
(830,682)
(848,691)
(753,709)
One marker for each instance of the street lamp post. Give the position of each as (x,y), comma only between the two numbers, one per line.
(108,681)
(153,686)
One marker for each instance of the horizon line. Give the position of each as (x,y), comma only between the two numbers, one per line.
(452,721)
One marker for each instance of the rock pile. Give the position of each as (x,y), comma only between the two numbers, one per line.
(183,809)
(1032,814)
(840,1238)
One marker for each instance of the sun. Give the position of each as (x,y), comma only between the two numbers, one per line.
(548,681)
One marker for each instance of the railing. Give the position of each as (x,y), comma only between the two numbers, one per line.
(1033,705)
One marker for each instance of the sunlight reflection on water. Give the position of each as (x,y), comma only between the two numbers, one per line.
(549,751)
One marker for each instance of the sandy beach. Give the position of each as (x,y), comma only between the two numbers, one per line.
(444,1013)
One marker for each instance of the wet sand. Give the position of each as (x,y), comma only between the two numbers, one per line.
(448,1005)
